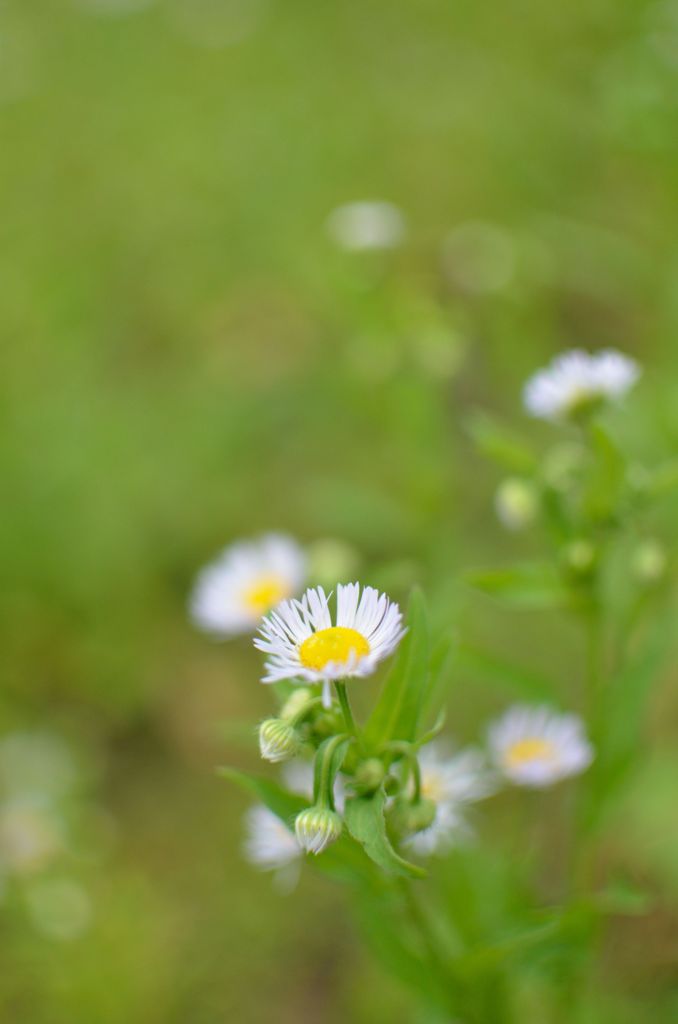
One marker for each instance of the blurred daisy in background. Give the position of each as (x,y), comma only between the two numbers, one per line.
(31,835)
(535,746)
(576,380)
(302,642)
(271,846)
(369,224)
(249,578)
(450,781)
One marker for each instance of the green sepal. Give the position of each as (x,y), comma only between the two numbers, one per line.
(500,444)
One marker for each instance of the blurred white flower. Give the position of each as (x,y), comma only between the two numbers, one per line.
(271,846)
(369,224)
(301,641)
(450,780)
(535,746)
(248,579)
(31,835)
(60,908)
(576,379)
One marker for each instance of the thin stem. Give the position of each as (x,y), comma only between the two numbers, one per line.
(342,694)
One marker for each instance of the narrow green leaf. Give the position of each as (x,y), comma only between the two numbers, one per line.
(364,817)
(500,444)
(399,707)
(284,805)
(534,585)
(515,678)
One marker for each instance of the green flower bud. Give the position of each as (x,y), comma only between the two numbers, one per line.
(516,503)
(296,702)
(316,828)
(369,775)
(278,741)
(413,817)
(580,557)
(649,562)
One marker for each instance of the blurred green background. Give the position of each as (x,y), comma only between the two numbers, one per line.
(188,357)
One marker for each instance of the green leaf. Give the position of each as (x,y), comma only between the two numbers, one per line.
(364,817)
(284,805)
(663,480)
(515,678)
(501,445)
(400,704)
(533,585)
(607,476)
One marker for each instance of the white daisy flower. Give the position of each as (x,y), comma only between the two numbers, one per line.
(576,379)
(271,846)
(247,580)
(303,643)
(454,777)
(535,746)
(369,224)
(450,780)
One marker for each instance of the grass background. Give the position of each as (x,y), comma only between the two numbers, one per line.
(187,358)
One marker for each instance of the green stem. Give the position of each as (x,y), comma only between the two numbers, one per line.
(342,694)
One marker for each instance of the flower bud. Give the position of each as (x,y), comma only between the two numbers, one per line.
(278,741)
(316,828)
(580,557)
(296,702)
(413,817)
(516,503)
(648,562)
(369,775)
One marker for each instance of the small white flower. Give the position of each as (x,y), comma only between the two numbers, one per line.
(302,642)
(367,225)
(454,777)
(31,835)
(270,845)
(577,378)
(247,580)
(535,746)
(450,780)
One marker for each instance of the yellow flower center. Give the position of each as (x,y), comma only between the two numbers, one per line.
(528,750)
(265,594)
(338,644)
